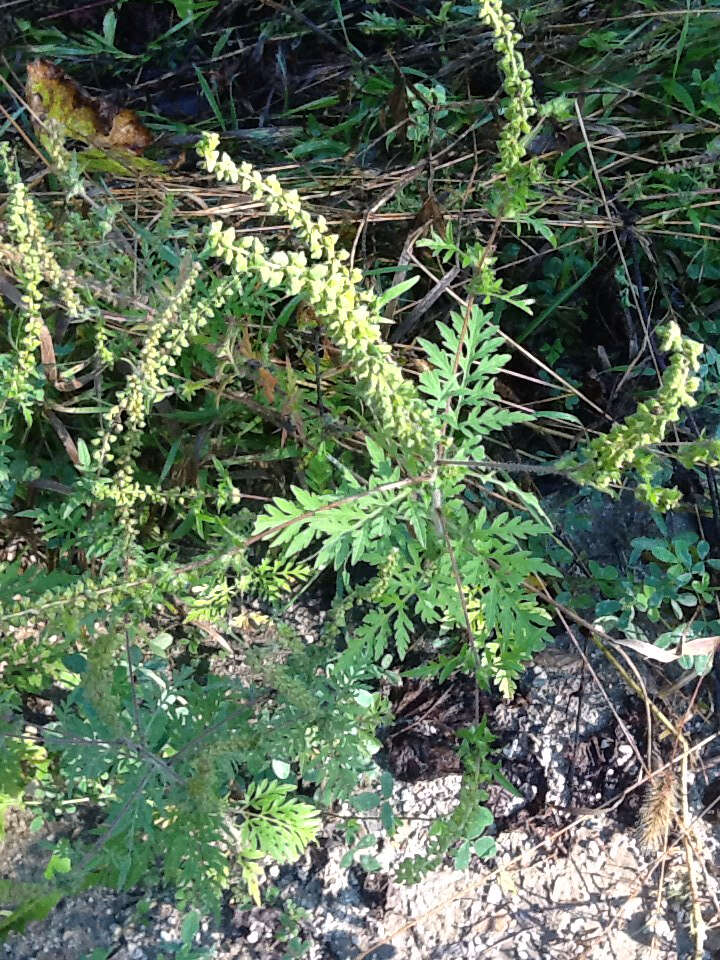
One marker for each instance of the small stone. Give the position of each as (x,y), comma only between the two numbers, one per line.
(500,922)
(593,849)
(662,929)
(494,894)
(563,889)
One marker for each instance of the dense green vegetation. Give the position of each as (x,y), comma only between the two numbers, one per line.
(205,412)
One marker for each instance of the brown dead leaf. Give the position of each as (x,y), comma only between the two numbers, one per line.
(265,378)
(245,346)
(65,384)
(430,212)
(62,431)
(291,410)
(268,382)
(396,114)
(305,316)
(47,354)
(54,95)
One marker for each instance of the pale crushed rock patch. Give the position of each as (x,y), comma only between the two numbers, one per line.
(592,896)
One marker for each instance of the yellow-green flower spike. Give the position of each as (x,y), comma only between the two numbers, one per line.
(350,311)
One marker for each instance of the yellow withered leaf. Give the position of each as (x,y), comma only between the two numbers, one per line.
(54,95)
(117,132)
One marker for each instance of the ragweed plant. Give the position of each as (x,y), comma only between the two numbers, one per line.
(519,108)
(35,265)
(205,771)
(188,368)
(629,444)
(350,311)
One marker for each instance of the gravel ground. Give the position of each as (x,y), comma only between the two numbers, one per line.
(588,892)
